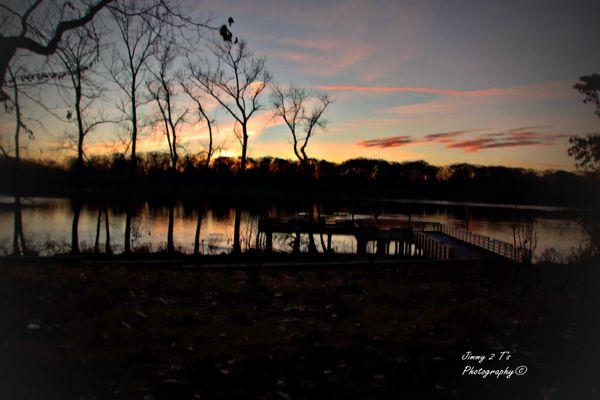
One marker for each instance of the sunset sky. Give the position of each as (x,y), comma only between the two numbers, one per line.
(485,82)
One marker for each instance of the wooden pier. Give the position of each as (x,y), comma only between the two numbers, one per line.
(391,237)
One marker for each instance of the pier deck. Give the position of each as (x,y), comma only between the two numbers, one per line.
(412,239)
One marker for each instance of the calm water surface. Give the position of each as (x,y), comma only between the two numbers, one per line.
(47,223)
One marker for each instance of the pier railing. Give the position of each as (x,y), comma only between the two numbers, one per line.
(499,247)
(431,247)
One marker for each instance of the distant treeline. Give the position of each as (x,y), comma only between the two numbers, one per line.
(365,178)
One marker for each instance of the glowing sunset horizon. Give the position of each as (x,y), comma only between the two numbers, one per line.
(482,83)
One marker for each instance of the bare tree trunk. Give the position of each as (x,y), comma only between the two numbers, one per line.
(323,246)
(80,130)
(98,224)
(312,247)
(257,245)
(133,166)
(78,168)
(107,247)
(133,172)
(20,222)
(18,242)
(296,243)
(170,243)
(236,231)
(7,52)
(75,227)
(210,143)
(244,148)
(134,125)
(238,217)
(197,235)
(127,238)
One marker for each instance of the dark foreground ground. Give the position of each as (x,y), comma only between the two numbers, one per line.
(108,330)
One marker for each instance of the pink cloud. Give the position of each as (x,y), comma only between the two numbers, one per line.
(512,138)
(403,140)
(395,141)
(516,137)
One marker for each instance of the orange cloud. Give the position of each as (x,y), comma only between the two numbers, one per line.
(223,133)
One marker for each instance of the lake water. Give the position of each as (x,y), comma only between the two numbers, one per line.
(47,223)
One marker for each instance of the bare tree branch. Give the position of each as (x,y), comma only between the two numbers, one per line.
(290,105)
(235,78)
(10,44)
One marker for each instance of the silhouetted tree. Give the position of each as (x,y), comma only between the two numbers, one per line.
(78,54)
(13,104)
(290,104)
(590,86)
(136,44)
(39,26)
(586,152)
(163,89)
(525,238)
(235,78)
(202,115)
(586,149)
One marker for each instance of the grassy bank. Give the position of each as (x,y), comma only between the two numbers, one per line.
(111,330)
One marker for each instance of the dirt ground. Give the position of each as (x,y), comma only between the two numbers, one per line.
(108,330)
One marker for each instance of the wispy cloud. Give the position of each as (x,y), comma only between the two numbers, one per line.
(551,89)
(324,57)
(516,137)
(397,141)
(307,43)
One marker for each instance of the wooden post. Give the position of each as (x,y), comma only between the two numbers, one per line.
(269,241)
(296,247)
(380,247)
(361,246)
(329,242)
